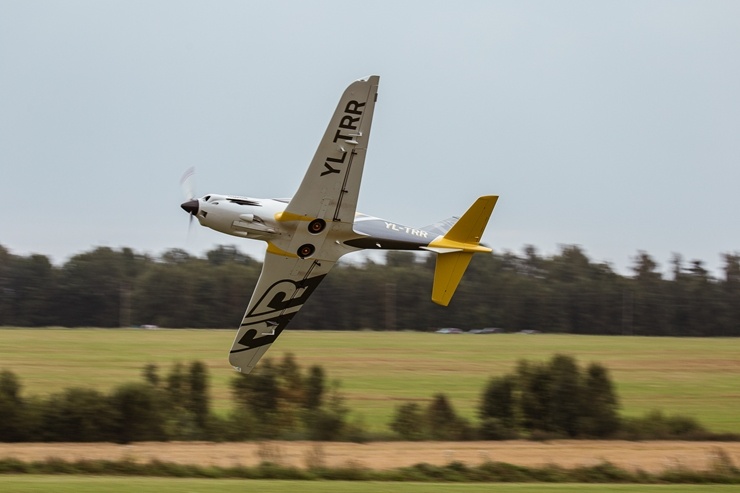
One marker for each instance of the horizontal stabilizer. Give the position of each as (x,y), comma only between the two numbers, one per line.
(447,275)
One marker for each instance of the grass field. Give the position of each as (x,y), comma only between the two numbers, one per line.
(111,484)
(379,370)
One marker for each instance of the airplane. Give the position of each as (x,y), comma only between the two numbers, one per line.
(307,234)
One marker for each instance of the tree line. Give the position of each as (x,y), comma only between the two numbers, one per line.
(282,400)
(566,293)
(545,400)
(278,401)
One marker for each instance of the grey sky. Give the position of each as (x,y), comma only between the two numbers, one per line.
(612,125)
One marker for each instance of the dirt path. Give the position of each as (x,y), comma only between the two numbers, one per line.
(649,456)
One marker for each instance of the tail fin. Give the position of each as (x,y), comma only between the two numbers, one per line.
(457,246)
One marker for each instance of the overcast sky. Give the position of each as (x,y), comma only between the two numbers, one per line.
(611,125)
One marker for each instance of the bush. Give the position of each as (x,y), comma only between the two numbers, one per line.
(443,423)
(724,473)
(12,426)
(600,418)
(141,413)
(408,421)
(655,425)
(14,466)
(494,429)
(282,402)
(606,472)
(79,415)
(556,399)
(498,401)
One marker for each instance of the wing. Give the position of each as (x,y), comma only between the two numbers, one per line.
(329,191)
(283,287)
(330,188)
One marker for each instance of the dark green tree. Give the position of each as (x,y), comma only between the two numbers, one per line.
(33,286)
(535,383)
(91,287)
(80,415)
(329,422)
(600,417)
(151,374)
(291,380)
(315,387)
(443,423)
(729,291)
(566,395)
(643,303)
(141,413)
(408,421)
(258,393)
(12,408)
(229,255)
(499,401)
(198,402)
(177,387)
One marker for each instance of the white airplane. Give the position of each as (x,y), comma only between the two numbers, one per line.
(306,235)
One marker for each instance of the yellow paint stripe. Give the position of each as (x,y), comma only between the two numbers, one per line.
(443,242)
(291,216)
(271,248)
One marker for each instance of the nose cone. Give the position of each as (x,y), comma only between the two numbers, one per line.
(191,206)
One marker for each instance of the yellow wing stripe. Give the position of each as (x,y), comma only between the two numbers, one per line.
(271,248)
(443,242)
(290,216)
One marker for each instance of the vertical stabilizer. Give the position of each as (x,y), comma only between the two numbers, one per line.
(469,229)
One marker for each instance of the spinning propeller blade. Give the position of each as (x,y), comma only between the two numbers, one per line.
(187,183)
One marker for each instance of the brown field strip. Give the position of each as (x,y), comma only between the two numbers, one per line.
(653,456)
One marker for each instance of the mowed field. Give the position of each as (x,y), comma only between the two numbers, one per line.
(379,370)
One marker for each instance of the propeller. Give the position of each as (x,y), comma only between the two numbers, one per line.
(187,182)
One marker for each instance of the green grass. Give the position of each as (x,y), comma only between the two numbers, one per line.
(379,370)
(113,484)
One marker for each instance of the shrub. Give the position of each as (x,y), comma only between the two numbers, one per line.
(494,429)
(505,473)
(606,472)
(12,427)
(141,413)
(655,425)
(79,415)
(554,399)
(443,423)
(600,418)
(408,421)
(498,401)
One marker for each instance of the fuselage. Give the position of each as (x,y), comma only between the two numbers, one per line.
(262,219)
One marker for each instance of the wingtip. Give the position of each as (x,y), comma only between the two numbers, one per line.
(441,301)
(367,78)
